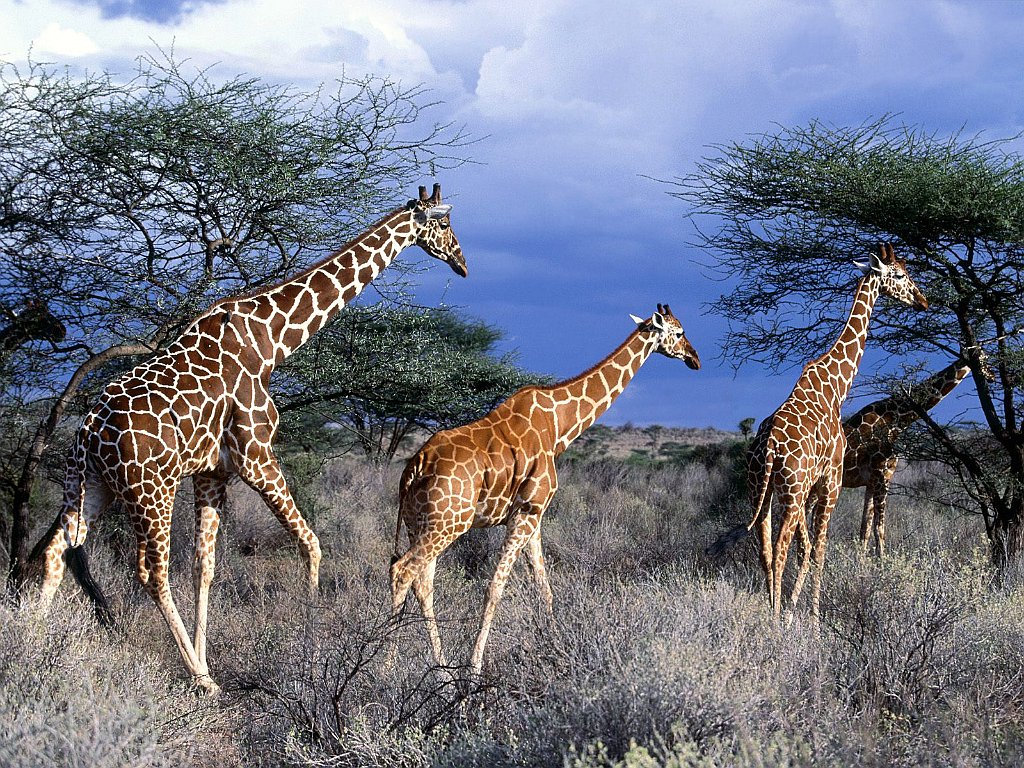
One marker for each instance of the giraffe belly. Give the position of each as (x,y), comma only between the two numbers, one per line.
(492,511)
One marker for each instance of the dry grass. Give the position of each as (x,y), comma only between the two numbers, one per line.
(657,656)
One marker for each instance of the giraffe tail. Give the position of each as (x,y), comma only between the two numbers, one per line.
(78,564)
(74,509)
(410,475)
(764,491)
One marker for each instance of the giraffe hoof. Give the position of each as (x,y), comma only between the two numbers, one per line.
(206,684)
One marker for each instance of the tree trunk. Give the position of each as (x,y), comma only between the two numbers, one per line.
(20,526)
(1006,535)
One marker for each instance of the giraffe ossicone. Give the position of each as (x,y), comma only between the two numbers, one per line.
(500,470)
(202,408)
(797,453)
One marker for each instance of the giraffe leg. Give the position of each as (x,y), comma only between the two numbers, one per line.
(805,554)
(423,587)
(520,531)
(155,520)
(880,495)
(210,492)
(823,512)
(535,556)
(259,468)
(793,508)
(94,496)
(415,569)
(867,520)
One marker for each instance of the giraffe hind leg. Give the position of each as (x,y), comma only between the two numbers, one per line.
(415,569)
(81,506)
(210,493)
(156,522)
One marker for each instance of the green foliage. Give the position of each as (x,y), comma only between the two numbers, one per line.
(380,373)
(129,204)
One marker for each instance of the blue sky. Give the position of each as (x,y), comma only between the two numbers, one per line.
(564,230)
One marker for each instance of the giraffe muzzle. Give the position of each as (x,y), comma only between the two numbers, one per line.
(458,264)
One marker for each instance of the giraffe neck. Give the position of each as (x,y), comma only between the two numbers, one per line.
(832,374)
(580,401)
(928,393)
(292,311)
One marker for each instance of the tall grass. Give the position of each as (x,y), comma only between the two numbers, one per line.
(657,655)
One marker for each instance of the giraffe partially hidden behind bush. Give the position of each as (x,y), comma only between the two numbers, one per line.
(202,408)
(798,450)
(871,436)
(501,470)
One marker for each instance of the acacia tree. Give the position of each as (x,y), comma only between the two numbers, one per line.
(378,373)
(128,205)
(782,215)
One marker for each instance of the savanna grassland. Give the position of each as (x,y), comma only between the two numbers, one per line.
(661,651)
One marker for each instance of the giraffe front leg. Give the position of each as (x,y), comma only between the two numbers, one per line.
(261,472)
(210,492)
(821,519)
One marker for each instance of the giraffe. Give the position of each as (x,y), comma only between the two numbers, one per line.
(500,469)
(871,435)
(202,408)
(33,323)
(798,450)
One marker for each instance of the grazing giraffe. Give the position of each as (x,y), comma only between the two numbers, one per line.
(202,408)
(33,323)
(500,469)
(798,450)
(871,435)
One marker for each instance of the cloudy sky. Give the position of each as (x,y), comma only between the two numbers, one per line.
(578,105)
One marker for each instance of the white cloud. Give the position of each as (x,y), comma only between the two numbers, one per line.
(61,41)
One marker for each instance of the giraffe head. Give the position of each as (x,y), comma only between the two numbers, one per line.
(672,342)
(896,282)
(434,230)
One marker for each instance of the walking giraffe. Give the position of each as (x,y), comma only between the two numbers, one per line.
(871,436)
(202,408)
(798,450)
(501,470)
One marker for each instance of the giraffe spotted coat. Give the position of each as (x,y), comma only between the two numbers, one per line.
(500,470)
(798,450)
(202,407)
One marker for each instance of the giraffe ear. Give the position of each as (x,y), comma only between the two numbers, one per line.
(658,321)
(874,265)
(438,211)
(638,320)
